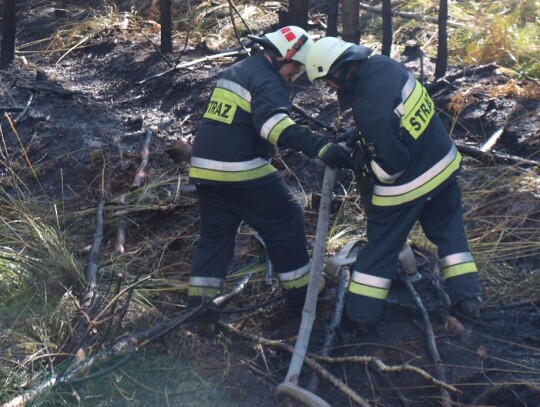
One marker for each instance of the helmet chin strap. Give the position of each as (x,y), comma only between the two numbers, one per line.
(298,75)
(341,77)
(277,64)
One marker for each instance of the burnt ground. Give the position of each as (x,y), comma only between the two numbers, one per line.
(83,133)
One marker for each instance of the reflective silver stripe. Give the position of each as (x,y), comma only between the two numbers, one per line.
(420,180)
(228,166)
(457,258)
(270,123)
(213,282)
(234,87)
(382,175)
(373,281)
(295,274)
(405,93)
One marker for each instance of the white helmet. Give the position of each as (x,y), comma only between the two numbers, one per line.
(291,42)
(328,53)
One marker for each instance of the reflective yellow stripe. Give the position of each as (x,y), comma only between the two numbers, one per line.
(235,88)
(296,278)
(323,150)
(233,97)
(278,129)
(382,175)
(420,186)
(274,126)
(301,282)
(460,269)
(226,97)
(368,291)
(203,291)
(221,110)
(417,108)
(242,95)
(216,175)
(205,286)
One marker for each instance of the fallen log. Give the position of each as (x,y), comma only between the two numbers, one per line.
(54,89)
(117,208)
(440,83)
(191,63)
(493,157)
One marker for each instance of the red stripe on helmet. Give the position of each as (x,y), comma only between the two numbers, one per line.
(288,34)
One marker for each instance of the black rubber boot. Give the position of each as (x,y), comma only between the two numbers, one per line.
(470,307)
(205,323)
(296,298)
(357,329)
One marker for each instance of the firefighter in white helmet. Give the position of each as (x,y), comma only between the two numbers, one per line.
(246,118)
(412,164)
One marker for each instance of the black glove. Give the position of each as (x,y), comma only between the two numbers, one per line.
(336,156)
(350,137)
(359,160)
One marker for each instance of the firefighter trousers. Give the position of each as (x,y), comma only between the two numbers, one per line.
(272,210)
(441,219)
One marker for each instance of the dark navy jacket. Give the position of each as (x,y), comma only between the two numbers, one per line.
(410,153)
(246,116)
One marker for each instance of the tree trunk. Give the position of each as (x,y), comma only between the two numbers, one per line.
(165,20)
(442,49)
(350,15)
(298,13)
(387,27)
(332,19)
(8,34)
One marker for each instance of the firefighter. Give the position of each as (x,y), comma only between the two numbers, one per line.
(412,164)
(245,119)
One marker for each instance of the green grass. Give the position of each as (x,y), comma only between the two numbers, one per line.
(146,378)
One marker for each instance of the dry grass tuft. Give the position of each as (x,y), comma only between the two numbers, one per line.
(502,212)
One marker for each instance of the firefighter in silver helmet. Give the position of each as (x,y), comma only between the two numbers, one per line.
(246,118)
(412,163)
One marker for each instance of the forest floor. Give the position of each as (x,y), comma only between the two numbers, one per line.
(88,116)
